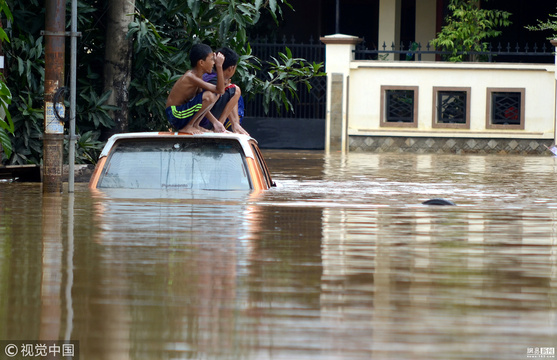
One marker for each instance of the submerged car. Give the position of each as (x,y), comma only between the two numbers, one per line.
(169,160)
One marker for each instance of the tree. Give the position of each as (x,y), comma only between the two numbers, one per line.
(546,25)
(467,27)
(160,35)
(118,61)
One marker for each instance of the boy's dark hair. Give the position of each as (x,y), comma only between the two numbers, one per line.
(230,57)
(199,52)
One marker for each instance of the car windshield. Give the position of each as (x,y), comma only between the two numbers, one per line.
(208,164)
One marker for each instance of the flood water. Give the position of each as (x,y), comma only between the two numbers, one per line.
(340,261)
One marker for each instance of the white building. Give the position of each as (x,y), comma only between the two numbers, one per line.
(435,106)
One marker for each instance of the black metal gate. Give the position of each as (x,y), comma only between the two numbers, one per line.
(308,105)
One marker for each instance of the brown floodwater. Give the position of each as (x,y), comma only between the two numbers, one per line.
(339,261)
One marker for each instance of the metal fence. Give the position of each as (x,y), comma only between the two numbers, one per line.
(413,51)
(307,105)
(312,104)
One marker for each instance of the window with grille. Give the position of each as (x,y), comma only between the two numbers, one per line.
(505,108)
(451,107)
(399,106)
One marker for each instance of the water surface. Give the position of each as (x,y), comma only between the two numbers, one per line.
(340,261)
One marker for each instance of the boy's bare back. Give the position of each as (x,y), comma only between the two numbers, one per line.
(183,90)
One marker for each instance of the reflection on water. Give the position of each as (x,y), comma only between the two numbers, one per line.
(341,261)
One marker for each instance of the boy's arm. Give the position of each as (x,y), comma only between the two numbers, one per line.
(219,87)
(219,60)
(200,83)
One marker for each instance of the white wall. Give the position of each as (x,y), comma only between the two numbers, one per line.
(367,77)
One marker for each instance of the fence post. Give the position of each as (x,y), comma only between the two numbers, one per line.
(339,52)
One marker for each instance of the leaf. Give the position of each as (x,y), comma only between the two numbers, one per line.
(6,10)
(6,143)
(104,97)
(292,84)
(141,102)
(20,66)
(4,36)
(194,7)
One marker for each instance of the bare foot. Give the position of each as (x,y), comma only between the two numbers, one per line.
(240,130)
(201,129)
(190,129)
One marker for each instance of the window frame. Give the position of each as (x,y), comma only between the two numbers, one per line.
(383,109)
(167,143)
(436,91)
(488,120)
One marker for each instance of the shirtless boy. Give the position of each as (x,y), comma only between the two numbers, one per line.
(226,110)
(191,98)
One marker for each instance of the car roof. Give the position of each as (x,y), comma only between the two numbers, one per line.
(242,139)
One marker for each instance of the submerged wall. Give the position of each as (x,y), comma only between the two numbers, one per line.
(283,133)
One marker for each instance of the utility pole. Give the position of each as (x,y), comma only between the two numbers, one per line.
(53,140)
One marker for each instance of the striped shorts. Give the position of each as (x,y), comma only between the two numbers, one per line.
(179,116)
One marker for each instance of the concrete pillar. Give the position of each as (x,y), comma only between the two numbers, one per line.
(335,139)
(426,18)
(389,24)
(339,52)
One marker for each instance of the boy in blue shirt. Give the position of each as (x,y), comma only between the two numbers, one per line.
(229,108)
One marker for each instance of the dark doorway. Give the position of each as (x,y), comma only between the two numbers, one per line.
(316,18)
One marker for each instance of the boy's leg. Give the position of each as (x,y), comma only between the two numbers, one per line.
(181,116)
(231,105)
(209,99)
(216,118)
(232,113)
(234,118)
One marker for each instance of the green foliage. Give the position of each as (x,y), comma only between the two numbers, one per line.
(549,24)
(25,58)
(467,27)
(162,33)
(6,123)
(286,73)
(94,110)
(25,69)
(148,100)
(28,122)
(87,148)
